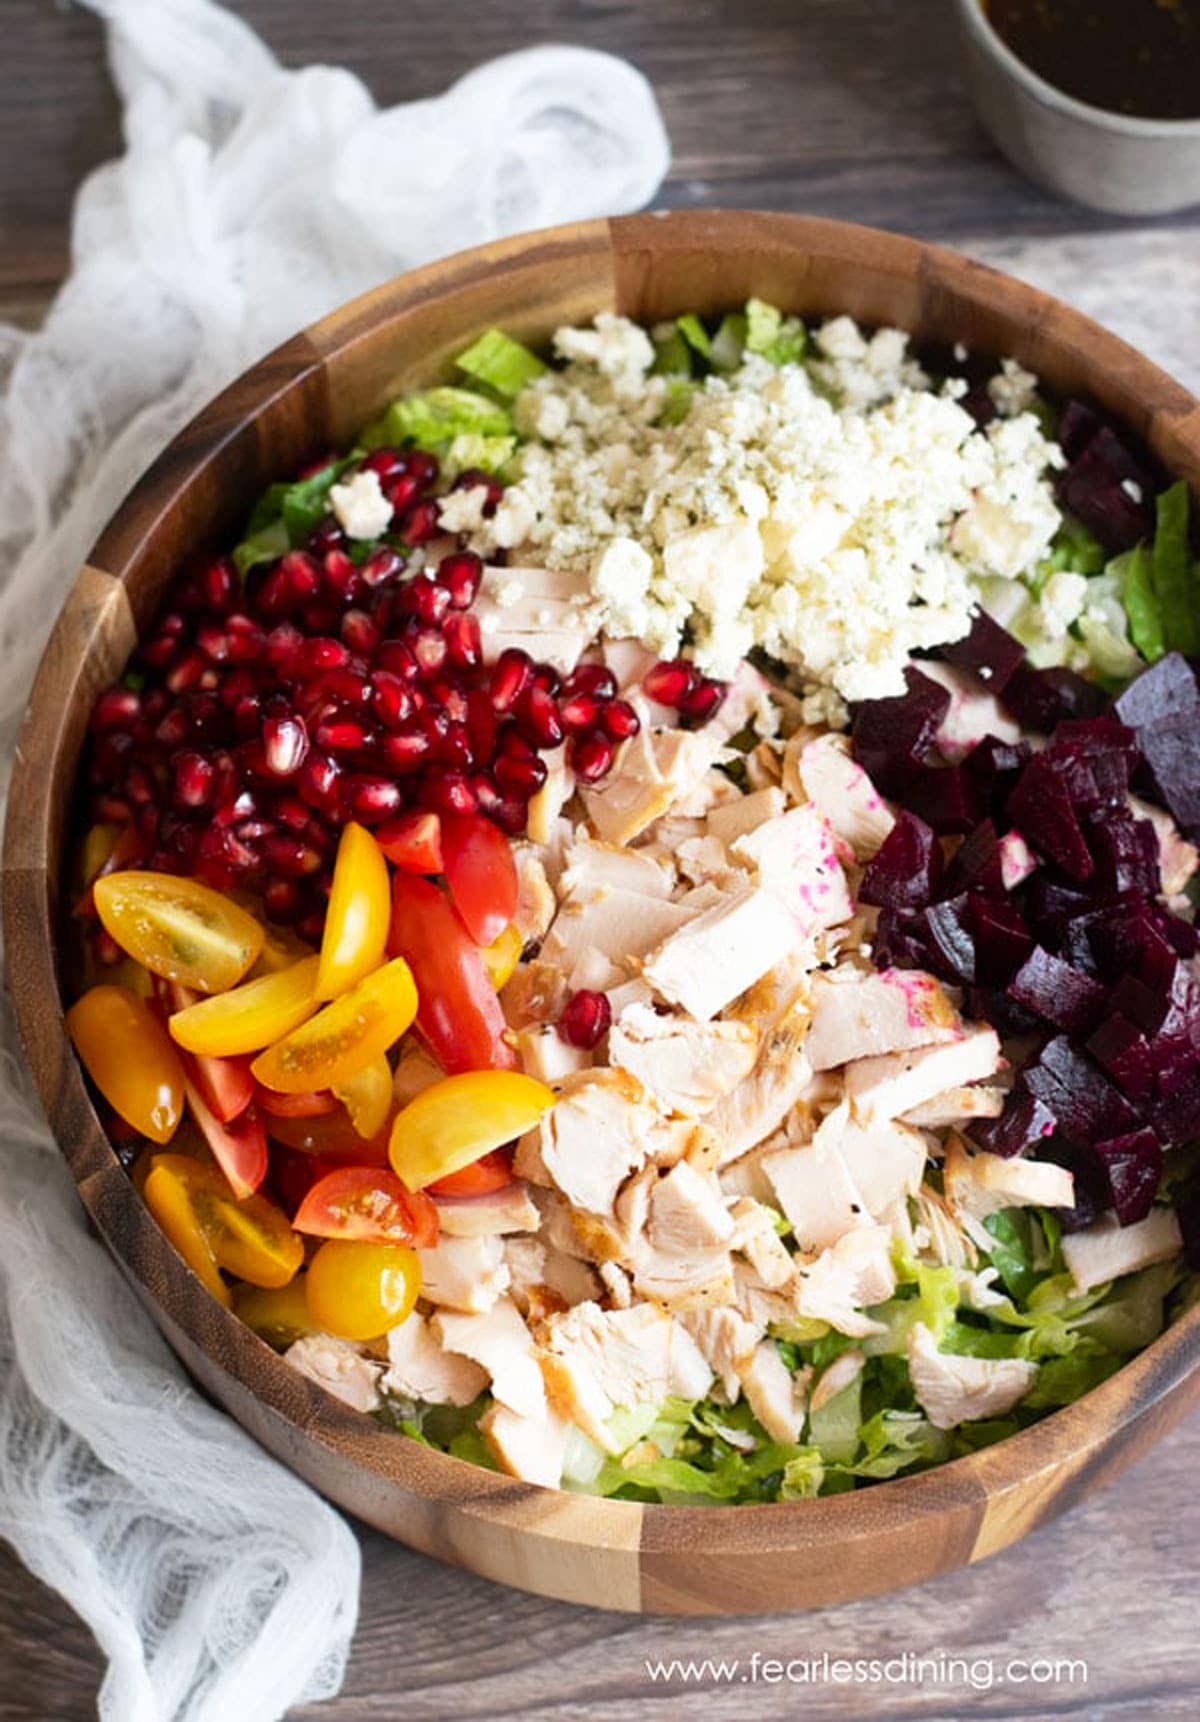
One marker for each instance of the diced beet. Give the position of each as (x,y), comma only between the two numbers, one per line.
(1040,699)
(946,798)
(1171,750)
(1109,491)
(947,930)
(1187,1207)
(1056,992)
(993,766)
(907,868)
(1167,689)
(1092,1194)
(899,943)
(1096,780)
(1181,935)
(1042,808)
(1139,1004)
(1176,1115)
(1002,938)
(1125,851)
(1133,1164)
(1052,908)
(1121,1047)
(892,736)
(979,403)
(1085,1104)
(1123,936)
(1026,1119)
(988,651)
(1077,425)
(1097,735)
(977,860)
(992,1004)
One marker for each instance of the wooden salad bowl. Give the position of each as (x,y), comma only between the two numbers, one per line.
(311,394)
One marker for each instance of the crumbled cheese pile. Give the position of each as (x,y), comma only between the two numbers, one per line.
(837,513)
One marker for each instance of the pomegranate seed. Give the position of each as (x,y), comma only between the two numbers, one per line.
(449,792)
(538,717)
(580,711)
(401,490)
(486,793)
(285,743)
(670,680)
(422,466)
(282,899)
(396,657)
(472,478)
(247,716)
(464,644)
(373,799)
(318,780)
(300,576)
(383,462)
(341,579)
(245,641)
(116,709)
(429,649)
(321,617)
(510,814)
(113,808)
(283,647)
(456,749)
(173,731)
(322,654)
(546,677)
(234,809)
(391,699)
(254,830)
(361,632)
(289,856)
(595,679)
(341,735)
(186,673)
(139,785)
(511,676)
(586,1019)
(327,535)
(424,599)
(481,724)
(460,573)
(702,702)
(521,776)
(194,776)
(407,748)
(620,720)
(591,756)
(419,523)
(179,835)
(382,565)
(348,686)
(219,586)
(289,810)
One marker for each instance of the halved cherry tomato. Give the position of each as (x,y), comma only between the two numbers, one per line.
(128,1055)
(343,1037)
(370,1205)
(491,1172)
(225,1084)
(251,1238)
(460,1119)
(332,1137)
(501,957)
(356,921)
(314,1104)
(239,1145)
(282,949)
(481,874)
(179,928)
(106,849)
(279,1316)
(169,1200)
(251,1016)
(459,1015)
(369,1096)
(359,1291)
(413,841)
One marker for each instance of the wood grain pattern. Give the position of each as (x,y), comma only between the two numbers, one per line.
(309,393)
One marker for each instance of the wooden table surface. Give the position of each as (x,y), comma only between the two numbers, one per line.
(837,107)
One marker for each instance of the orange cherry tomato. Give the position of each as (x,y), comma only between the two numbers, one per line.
(459,1015)
(359,1291)
(179,928)
(279,1315)
(128,1055)
(356,921)
(413,842)
(315,1104)
(368,1204)
(490,1172)
(239,1146)
(252,1238)
(456,1121)
(169,1200)
(345,1036)
(250,1016)
(501,957)
(225,1084)
(481,874)
(369,1096)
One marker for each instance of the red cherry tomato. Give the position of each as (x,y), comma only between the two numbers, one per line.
(225,1084)
(315,1104)
(412,841)
(458,1014)
(332,1136)
(239,1145)
(491,1172)
(481,873)
(369,1205)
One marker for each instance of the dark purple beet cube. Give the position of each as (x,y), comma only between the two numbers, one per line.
(992,1004)
(1125,851)
(1133,1164)
(1002,938)
(1077,425)
(892,736)
(988,651)
(993,766)
(1167,689)
(899,942)
(1171,750)
(1096,736)
(1181,935)
(1121,1047)
(976,862)
(1053,908)
(1041,806)
(907,868)
(946,798)
(946,929)
(1109,491)
(1092,1193)
(1065,997)
(1085,1104)
(1040,699)
(1176,1115)
(1026,1120)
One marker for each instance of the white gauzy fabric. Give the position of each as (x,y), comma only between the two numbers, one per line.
(248,202)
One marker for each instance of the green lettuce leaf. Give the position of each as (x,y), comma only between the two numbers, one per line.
(286,514)
(694,333)
(672,354)
(432,418)
(501,363)
(1174,586)
(776,337)
(1135,573)
(728,346)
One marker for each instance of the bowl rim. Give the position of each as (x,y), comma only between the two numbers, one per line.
(985,34)
(1073,1439)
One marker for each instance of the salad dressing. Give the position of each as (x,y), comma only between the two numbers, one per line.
(1137,57)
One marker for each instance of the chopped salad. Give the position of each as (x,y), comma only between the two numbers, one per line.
(639,926)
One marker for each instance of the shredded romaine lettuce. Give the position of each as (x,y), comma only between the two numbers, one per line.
(286,514)
(501,363)
(432,418)
(1175,586)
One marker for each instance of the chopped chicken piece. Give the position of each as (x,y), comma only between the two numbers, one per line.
(546,1055)
(838,787)
(543,1276)
(782,1005)
(1105,1250)
(536,993)
(466,1274)
(531,1448)
(722,952)
(596,1134)
(634,794)
(418,1368)
(747,1176)
(548,802)
(338,1367)
(884,1086)
(756,1238)
(688,1215)
(629,661)
(726,1341)
(844,1369)
(749,699)
(797,861)
(500,1343)
(978,1184)
(634,992)
(857,1015)
(536,610)
(815,1190)
(736,818)
(595,1360)
(704,861)
(689,1375)
(687,1066)
(416,1070)
(762,1305)
(886,1161)
(593,868)
(1177,858)
(938,1233)
(955,1106)
(972,713)
(776,1398)
(536,902)
(594,971)
(616,1283)
(954,1390)
(511,1209)
(620,923)
(847,1279)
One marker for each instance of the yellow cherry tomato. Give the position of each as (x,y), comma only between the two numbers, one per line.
(368,1096)
(128,1055)
(359,1291)
(358,916)
(96,848)
(279,1316)
(169,1201)
(179,928)
(453,1122)
(282,949)
(501,957)
(252,1239)
(251,1016)
(345,1036)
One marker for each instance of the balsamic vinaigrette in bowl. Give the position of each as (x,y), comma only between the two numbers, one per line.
(1136,57)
